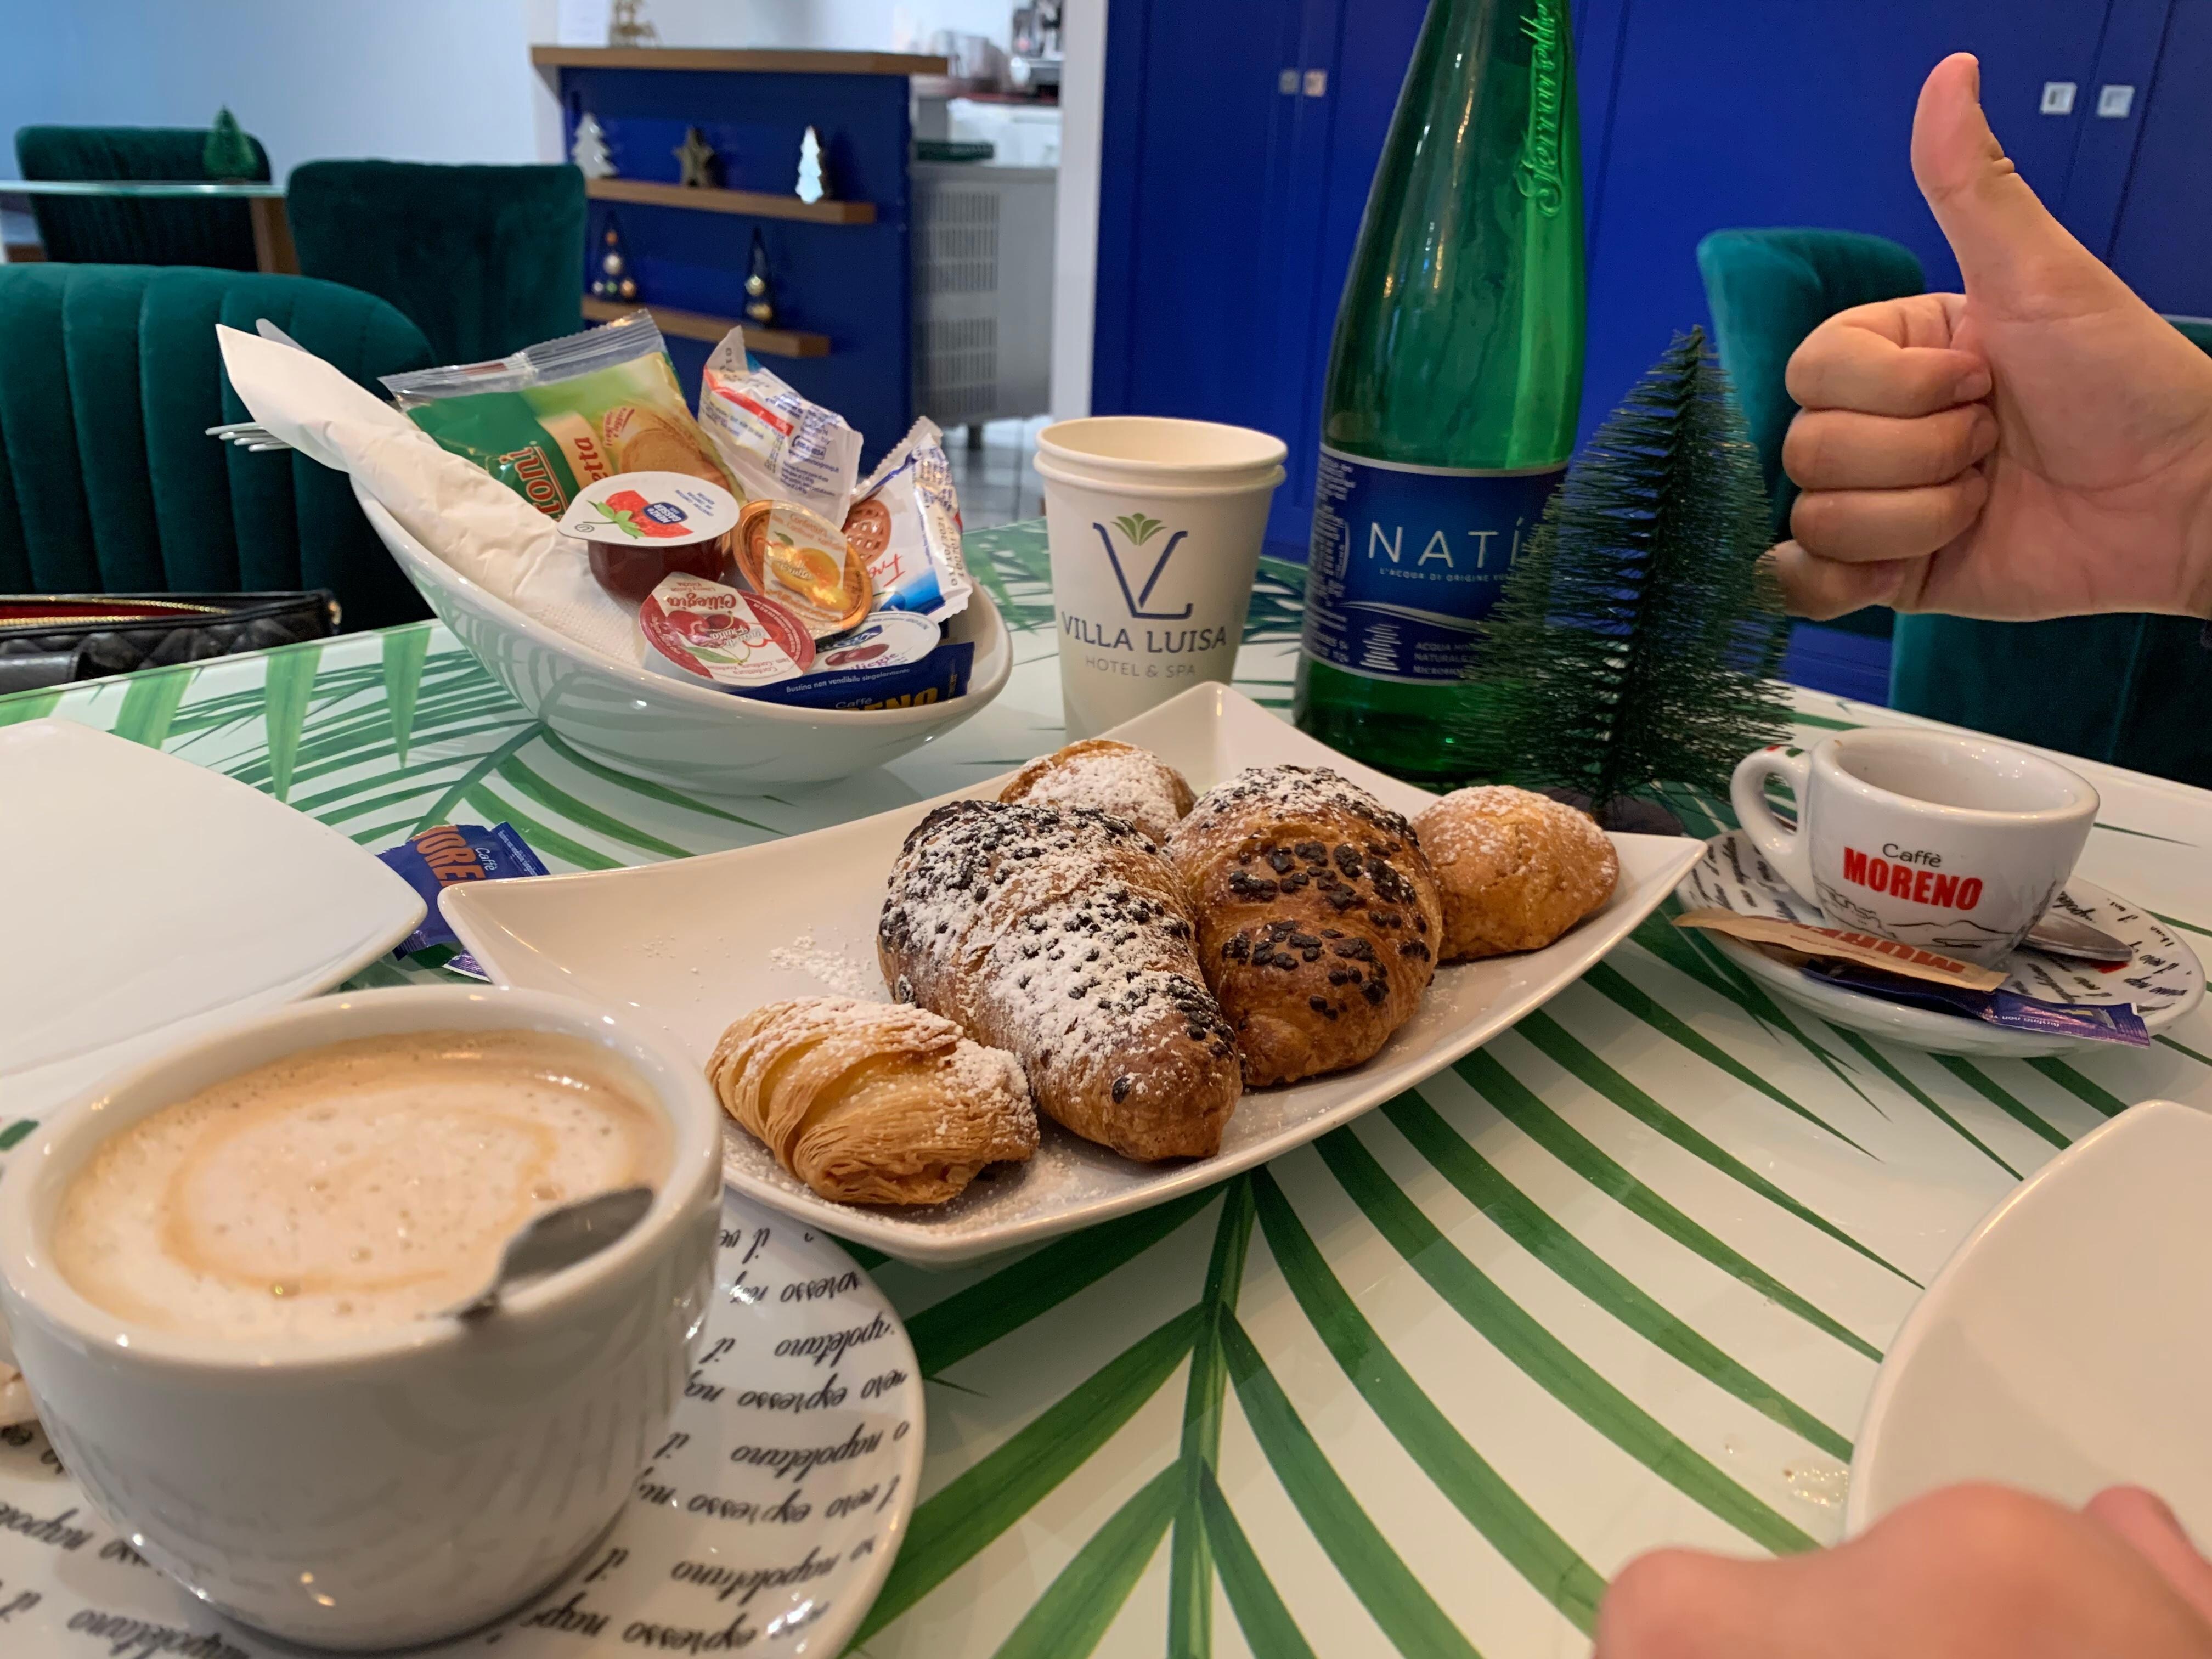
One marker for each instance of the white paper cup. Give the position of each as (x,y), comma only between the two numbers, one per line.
(1155,526)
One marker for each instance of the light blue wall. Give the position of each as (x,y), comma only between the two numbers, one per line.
(412,80)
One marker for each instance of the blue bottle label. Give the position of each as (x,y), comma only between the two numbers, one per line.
(1407,560)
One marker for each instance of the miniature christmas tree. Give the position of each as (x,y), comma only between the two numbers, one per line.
(813,186)
(589,148)
(1637,639)
(228,153)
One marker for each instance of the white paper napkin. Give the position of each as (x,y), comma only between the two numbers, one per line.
(463,515)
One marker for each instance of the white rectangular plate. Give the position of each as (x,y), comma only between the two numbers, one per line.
(148,897)
(693,944)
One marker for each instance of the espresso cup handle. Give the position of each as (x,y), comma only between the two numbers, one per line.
(1789,852)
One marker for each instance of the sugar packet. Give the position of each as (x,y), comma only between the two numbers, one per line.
(435,860)
(1867,950)
(2093,1022)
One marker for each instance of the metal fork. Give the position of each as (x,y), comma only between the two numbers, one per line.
(257,439)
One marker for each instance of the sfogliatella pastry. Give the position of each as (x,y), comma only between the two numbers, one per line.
(1517,869)
(868,1103)
(1318,917)
(1132,783)
(1063,937)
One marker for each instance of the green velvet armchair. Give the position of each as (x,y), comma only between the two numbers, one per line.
(95,232)
(484,260)
(2129,689)
(110,376)
(1767,290)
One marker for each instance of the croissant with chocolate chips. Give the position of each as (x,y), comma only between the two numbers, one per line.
(1318,917)
(1061,935)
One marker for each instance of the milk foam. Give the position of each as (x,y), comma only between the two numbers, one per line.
(348,1187)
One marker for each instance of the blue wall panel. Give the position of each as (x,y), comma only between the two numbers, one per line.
(852,282)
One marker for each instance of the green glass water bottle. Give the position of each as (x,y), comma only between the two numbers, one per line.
(1453,384)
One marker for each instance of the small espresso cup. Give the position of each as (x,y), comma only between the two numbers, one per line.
(1942,840)
(407,1483)
(1155,527)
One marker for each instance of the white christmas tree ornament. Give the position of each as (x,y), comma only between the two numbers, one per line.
(589,151)
(813,186)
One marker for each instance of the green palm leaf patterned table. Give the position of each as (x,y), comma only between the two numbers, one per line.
(1622,1278)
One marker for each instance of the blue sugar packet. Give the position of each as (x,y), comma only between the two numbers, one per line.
(2095,1022)
(453,853)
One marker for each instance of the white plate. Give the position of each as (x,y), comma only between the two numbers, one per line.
(2163,982)
(2064,1345)
(675,1560)
(146,896)
(695,943)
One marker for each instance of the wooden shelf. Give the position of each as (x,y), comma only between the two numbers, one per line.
(737,62)
(697,326)
(759,203)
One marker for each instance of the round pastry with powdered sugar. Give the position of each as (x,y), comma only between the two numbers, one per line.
(1132,783)
(1318,917)
(1063,937)
(1518,869)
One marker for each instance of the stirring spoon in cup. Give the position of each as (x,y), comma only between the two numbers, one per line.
(561,1237)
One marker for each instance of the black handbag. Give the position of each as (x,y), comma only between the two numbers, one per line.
(51,639)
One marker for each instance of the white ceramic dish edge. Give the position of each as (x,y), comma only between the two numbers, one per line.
(1871,1480)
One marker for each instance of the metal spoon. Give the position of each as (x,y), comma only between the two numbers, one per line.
(559,1239)
(2059,934)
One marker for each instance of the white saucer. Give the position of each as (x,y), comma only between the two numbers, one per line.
(2163,982)
(148,896)
(693,943)
(2064,1346)
(674,1561)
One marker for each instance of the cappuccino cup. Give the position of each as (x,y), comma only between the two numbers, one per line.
(227,1278)
(1953,842)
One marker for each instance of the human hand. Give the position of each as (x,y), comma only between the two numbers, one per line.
(2039,446)
(1969,1572)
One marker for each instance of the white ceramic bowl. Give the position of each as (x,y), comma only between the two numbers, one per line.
(648,726)
(2064,1345)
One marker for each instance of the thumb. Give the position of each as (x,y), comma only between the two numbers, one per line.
(2012,254)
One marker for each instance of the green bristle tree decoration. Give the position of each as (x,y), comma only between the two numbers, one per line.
(1638,640)
(228,153)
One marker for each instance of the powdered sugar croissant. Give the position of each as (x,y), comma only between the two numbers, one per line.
(1063,936)
(871,1103)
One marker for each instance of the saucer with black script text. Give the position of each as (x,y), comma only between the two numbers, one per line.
(765,1524)
(2163,980)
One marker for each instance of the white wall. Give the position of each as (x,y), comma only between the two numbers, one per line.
(411,80)
(838,25)
(1075,246)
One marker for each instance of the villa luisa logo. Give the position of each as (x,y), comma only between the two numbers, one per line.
(1137,529)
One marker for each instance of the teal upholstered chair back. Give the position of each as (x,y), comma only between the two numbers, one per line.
(2134,691)
(110,377)
(485,259)
(1767,290)
(95,232)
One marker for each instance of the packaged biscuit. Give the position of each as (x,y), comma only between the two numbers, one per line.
(780,447)
(906,525)
(553,418)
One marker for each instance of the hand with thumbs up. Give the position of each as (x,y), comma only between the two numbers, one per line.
(2039,446)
